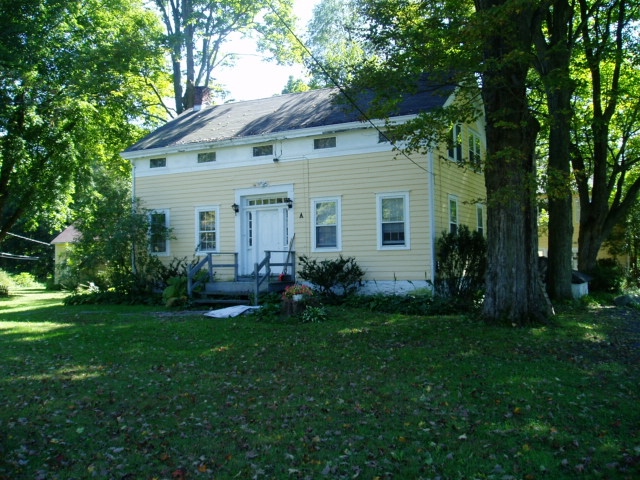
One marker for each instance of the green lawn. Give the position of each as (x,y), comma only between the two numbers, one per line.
(143,393)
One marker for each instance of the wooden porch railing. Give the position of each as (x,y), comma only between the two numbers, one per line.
(262,271)
(193,283)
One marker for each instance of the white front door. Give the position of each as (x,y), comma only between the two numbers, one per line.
(266,228)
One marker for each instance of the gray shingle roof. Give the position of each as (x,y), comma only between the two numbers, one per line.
(315,108)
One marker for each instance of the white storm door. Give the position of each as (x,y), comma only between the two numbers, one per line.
(266,229)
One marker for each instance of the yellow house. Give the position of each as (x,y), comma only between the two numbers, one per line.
(304,173)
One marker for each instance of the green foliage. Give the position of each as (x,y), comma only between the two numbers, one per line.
(330,37)
(270,308)
(335,278)
(420,302)
(6,279)
(607,277)
(462,262)
(215,23)
(73,77)
(114,250)
(175,293)
(4,290)
(314,314)
(24,279)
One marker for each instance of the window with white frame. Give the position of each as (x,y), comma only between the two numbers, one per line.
(326,142)
(454,213)
(207,229)
(393,220)
(480,218)
(159,232)
(157,162)
(326,224)
(475,150)
(263,150)
(207,157)
(455,145)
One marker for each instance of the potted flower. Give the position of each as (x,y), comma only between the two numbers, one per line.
(297,292)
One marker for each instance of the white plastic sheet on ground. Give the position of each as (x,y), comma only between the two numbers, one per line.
(230,311)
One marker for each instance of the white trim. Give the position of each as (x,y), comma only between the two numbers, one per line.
(407,220)
(261,139)
(260,188)
(212,208)
(338,202)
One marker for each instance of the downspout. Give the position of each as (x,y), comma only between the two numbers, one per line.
(432,215)
(133,211)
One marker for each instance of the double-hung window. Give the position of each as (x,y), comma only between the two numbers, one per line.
(455,145)
(475,151)
(480,218)
(454,214)
(207,229)
(326,224)
(393,220)
(159,232)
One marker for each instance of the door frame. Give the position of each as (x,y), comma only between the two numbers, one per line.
(241,199)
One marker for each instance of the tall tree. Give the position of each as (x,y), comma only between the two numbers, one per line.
(334,38)
(606,131)
(486,43)
(555,41)
(514,292)
(73,77)
(197,30)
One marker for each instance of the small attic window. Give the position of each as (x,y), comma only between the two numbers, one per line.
(328,142)
(387,136)
(263,150)
(157,162)
(207,157)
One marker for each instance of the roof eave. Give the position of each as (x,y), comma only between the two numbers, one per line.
(273,136)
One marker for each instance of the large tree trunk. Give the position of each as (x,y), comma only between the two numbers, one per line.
(554,56)
(589,241)
(514,292)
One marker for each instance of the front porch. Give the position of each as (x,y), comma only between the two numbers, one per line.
(216,278)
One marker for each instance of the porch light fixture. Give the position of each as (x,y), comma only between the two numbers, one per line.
(235,207)
(289,202)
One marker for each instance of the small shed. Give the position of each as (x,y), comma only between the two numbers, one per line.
(62,244)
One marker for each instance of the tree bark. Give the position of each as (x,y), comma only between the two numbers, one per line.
(514,292)
(554,47)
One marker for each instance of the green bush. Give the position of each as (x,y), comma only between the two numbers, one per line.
(314,314)
(6,279)
(607,277)
(421,302)
(24,279)
(336,278)
(4,291)
(462,263)
(175,293)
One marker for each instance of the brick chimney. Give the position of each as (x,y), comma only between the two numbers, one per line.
(201,98)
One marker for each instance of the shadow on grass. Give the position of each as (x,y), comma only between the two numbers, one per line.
(122,392)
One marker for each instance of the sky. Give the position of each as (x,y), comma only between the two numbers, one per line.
(253,78)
